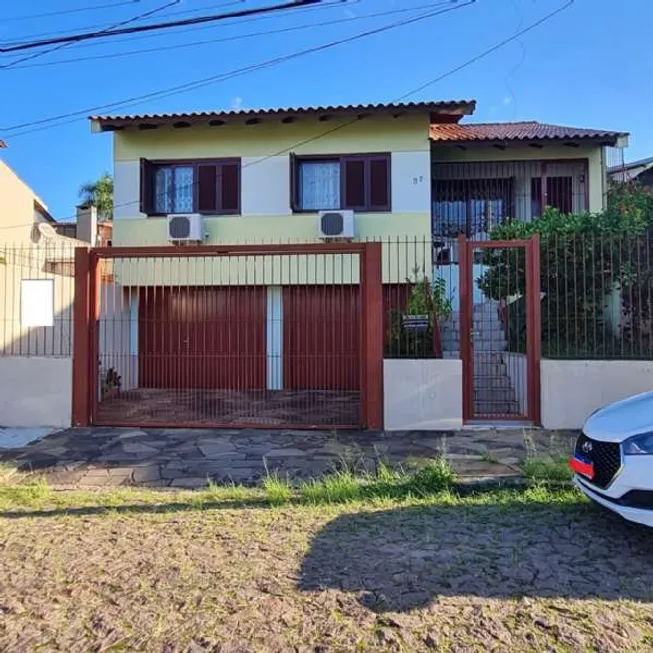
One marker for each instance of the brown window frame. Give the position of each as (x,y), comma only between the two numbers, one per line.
(148,176)
(343,159)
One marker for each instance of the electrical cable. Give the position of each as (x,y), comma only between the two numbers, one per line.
(236,37)
(74,38)
(146,14)
(228,75)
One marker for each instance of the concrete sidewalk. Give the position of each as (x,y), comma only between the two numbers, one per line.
(103,456)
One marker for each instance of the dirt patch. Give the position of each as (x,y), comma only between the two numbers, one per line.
(409,578)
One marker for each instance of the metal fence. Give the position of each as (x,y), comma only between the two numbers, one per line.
(36,299)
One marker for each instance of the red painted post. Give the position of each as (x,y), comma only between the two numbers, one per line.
(534,344)
(466,324)
(81,341)
(372,342)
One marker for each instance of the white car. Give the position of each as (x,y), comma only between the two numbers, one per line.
(613,458)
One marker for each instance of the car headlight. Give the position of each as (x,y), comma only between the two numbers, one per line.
(639,445)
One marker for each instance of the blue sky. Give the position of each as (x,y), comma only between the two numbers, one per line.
(589,66)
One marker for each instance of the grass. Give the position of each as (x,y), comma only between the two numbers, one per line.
(553,468)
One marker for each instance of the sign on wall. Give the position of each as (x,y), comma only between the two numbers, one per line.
(37,302)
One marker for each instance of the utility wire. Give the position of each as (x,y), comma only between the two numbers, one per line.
(86,28)
(485,53)
(325,4)
(77,10)
(198,83)
(409,93)
(74,38)
(236,37)
(146,14)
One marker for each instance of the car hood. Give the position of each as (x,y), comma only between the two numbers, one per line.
(621,420)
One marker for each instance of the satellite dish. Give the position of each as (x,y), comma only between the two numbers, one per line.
(47,231)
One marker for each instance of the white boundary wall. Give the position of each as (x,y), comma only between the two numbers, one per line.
(422,394)
(573,389)
(35,391)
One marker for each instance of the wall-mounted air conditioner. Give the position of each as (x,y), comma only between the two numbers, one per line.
(335,224)
(187,228)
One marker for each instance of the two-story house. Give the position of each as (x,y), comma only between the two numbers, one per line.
(413,175)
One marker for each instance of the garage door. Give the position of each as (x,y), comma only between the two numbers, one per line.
(321,338)
(202,337)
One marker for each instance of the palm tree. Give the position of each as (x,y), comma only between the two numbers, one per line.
(100,195)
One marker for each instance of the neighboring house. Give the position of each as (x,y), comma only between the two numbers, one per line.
(640,171)
(417,173)
(36,270)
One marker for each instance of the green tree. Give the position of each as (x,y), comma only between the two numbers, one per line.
(100,195)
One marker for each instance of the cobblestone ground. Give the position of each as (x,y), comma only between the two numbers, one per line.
(512,575)
(189,458)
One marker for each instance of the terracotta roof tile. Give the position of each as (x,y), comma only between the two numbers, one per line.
(516,131)
(461,107)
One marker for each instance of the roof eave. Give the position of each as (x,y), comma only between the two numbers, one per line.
(114,123)
(613,140)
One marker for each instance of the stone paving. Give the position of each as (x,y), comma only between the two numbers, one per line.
(105,456)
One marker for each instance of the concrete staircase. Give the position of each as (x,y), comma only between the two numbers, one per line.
(493,390)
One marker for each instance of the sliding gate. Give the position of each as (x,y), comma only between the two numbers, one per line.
(232,336)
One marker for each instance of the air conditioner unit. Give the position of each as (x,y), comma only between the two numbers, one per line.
(335,224)
(187,228)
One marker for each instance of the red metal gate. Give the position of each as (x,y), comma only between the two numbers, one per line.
(500,332)
(226,336)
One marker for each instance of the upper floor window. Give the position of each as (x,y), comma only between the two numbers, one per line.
(358,182)
(203,186)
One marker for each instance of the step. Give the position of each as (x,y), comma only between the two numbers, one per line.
(496,408)
(494,395)
(492,382)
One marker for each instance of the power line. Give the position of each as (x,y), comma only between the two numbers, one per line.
(325,5)
(86,28)
(74,38)
(228,75)
(111,27)
(451,71)
(237,37)
(490,50)
(411,92)
(61,12)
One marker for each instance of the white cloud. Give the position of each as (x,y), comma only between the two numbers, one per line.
(237,103)
(350,14)
(507,100)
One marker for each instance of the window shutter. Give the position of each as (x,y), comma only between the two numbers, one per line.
(207,188)
(380,183)
(354,183)
(230,187)
(146,187)
(294,189)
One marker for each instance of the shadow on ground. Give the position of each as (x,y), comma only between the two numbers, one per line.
(402,559)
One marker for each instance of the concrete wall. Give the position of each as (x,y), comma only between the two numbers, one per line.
(422,394)
(573,390)
(35,391)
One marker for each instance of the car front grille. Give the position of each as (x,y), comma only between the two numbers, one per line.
(605,456)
